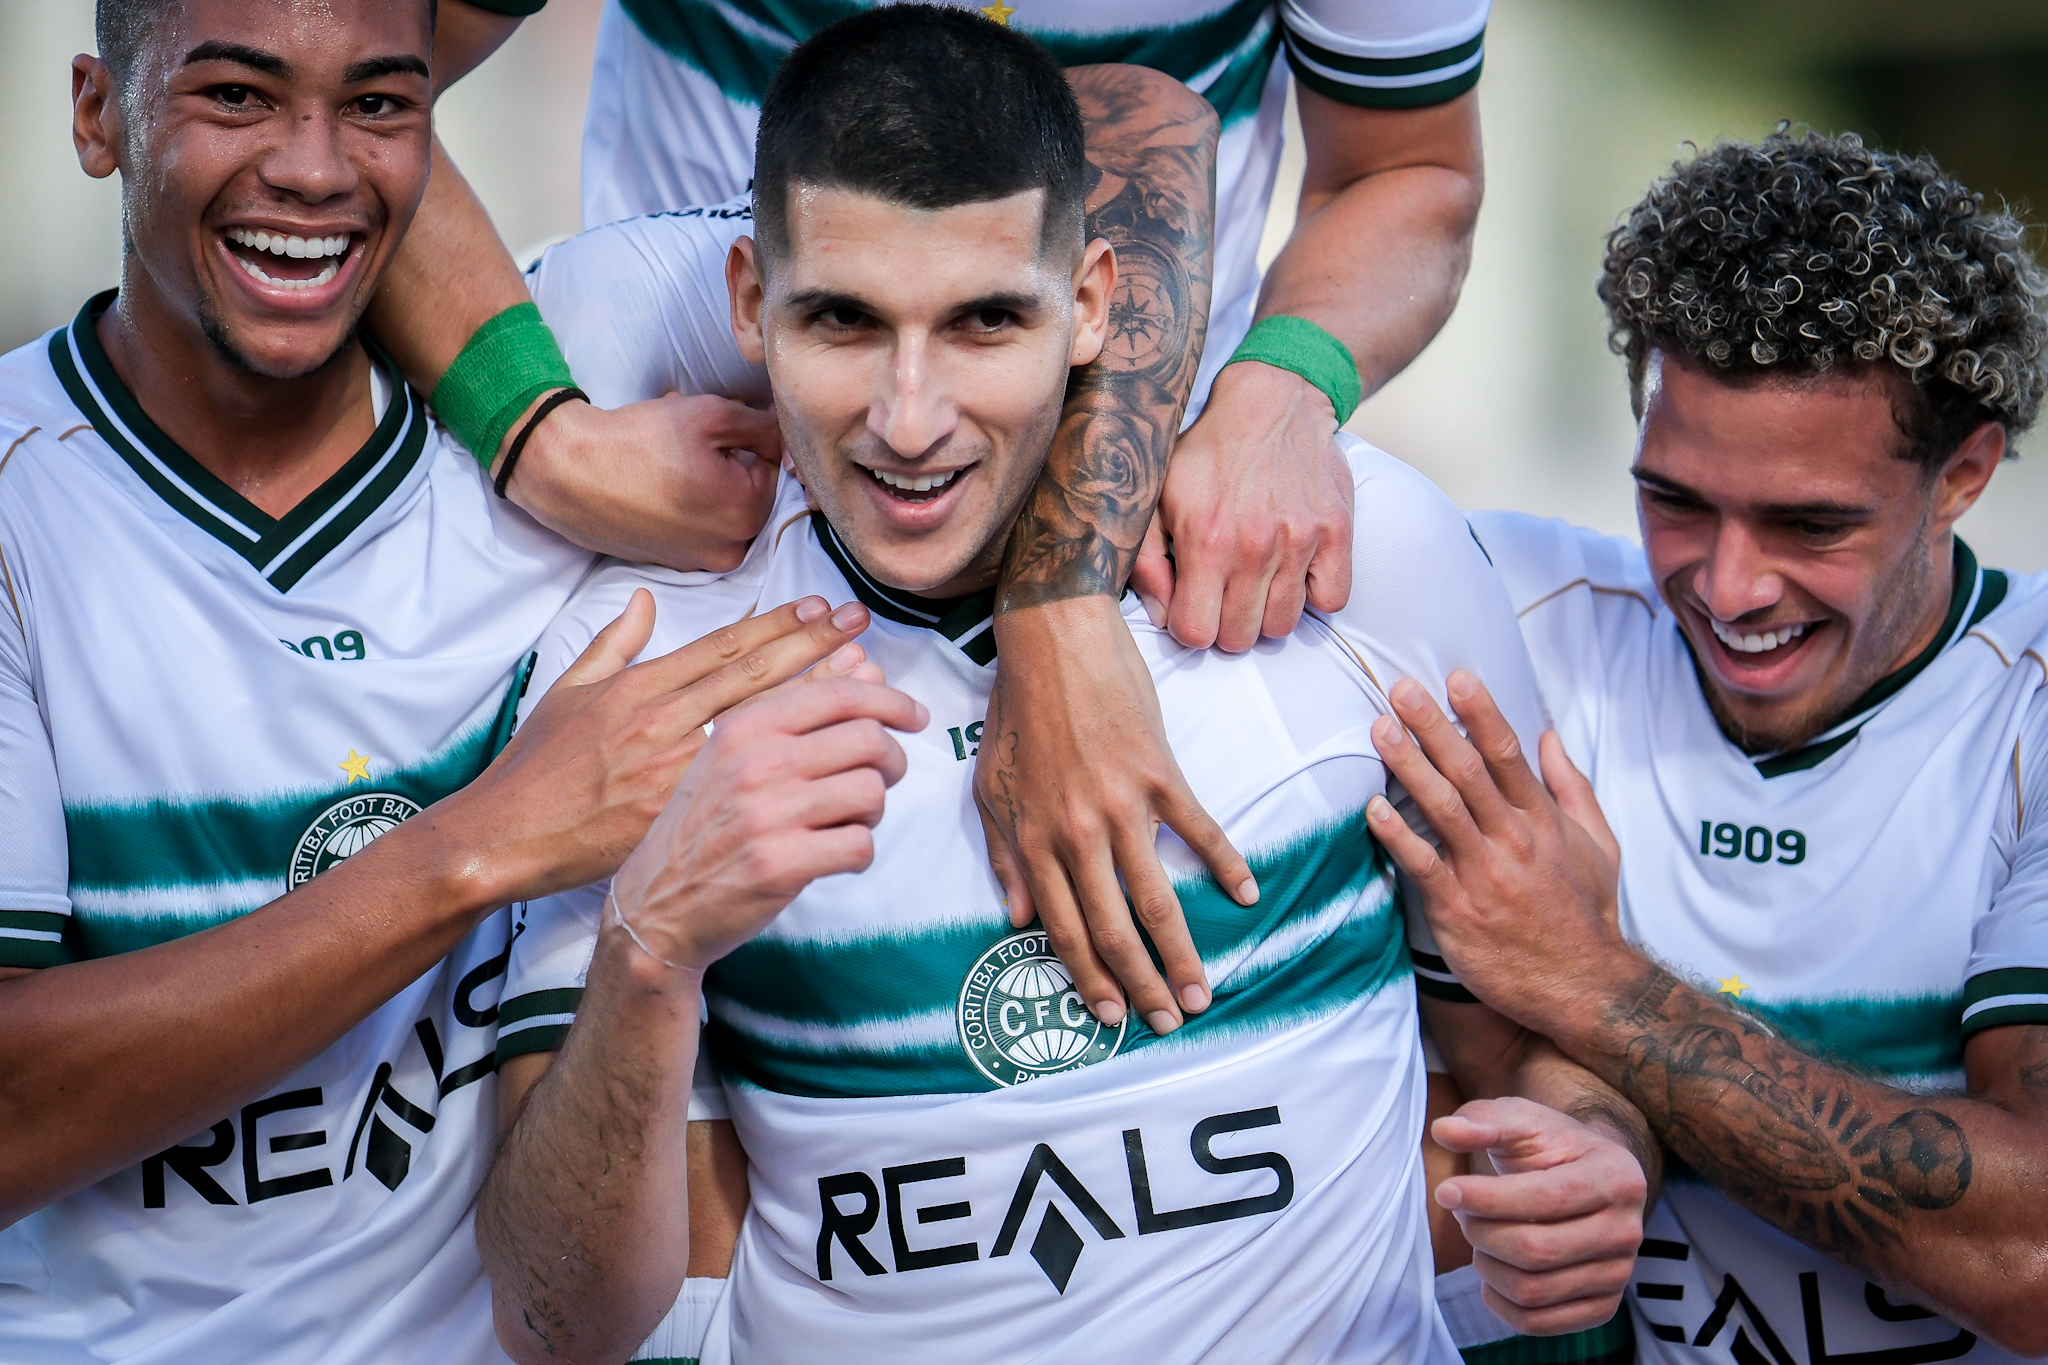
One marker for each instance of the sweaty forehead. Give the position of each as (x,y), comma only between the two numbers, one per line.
(886,252)
(298,33)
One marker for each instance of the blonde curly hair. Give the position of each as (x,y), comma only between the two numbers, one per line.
(1805,252)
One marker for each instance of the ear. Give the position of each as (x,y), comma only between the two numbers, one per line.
(749,294)
(1963,479)
(95,116)
(1094,283)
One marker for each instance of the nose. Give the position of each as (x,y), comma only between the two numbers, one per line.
(915,410)
(1736,577)
(309,163)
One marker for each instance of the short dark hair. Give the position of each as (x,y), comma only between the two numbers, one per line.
(1802,253)
(928,106)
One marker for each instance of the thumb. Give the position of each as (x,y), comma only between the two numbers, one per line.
(616,646)
(1519,1134)
(1575,794)
(1152,574)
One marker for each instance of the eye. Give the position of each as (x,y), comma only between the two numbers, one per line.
(990,319)
(234,96)
(373,105)
(841,317)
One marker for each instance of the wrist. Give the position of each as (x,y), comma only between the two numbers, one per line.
(1600,994)
(1296,346)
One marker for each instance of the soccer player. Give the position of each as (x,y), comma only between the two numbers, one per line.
(1818,730)
(946,1154)
(262,631)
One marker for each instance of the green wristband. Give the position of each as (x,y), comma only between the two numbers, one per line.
(506,364)
(1296,344)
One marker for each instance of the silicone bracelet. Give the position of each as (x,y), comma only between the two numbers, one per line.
(1298,345)
(506,364)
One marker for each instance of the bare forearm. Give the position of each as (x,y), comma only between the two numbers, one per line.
(584,1220)
(1380,248)
(1152,166)
(103,1063)
(1940,1197)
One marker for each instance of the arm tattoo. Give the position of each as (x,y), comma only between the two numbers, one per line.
(1151,193)
(1837,1161)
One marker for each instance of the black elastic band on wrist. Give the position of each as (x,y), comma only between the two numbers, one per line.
(547,405)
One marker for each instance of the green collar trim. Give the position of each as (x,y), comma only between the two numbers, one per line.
(969,622)
(1974,595)
(282,549)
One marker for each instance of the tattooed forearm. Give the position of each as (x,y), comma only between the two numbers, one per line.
(1152,173)
(1838,1161)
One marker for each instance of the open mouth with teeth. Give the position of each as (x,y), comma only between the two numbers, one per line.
(281,261)
(917,487)
(1760,646)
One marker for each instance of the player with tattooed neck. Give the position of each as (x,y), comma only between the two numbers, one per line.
(1820,731)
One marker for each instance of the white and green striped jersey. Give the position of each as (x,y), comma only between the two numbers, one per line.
(202,707)
(1877,896)
(677,88)
(951,1159)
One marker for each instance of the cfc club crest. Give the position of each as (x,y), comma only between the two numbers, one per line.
(1021,1018)
(343,829)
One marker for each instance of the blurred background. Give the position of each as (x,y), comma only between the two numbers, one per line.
(1518,403)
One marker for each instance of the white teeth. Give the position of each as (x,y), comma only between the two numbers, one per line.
(918,483)
(1750,642)
(327,272)
(299,248)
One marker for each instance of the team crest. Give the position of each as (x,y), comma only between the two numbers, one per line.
(1021,1018)
(345,828)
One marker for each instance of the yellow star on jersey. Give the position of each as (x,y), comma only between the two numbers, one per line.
(356,765)
(999,12)
(1732,985)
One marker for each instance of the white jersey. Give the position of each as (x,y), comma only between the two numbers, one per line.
(951,1159)
(676,94)
(202,707)
(1876,896)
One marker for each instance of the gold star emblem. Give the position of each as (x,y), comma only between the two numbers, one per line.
(999,12)
(1732,985)
(356,765)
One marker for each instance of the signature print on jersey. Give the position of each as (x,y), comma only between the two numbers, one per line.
(345,828)
(1021,1018)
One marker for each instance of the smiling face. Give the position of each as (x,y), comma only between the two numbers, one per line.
(1803,558)
(918,360)
(272,156)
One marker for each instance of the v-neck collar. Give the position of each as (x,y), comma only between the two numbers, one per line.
(282,549)
(1974,595)
(969,622)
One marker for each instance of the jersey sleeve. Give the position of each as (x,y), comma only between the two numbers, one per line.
(640,306)
(35,864)
(1429,603)
(2007,981)
(1386,54)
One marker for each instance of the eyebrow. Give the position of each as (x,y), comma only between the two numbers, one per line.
(1818,508)
(818,300)
(369,69)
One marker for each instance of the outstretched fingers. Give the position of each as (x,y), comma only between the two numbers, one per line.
(1456,785)
(1496,741)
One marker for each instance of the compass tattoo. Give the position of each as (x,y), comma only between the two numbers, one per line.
(1151,194)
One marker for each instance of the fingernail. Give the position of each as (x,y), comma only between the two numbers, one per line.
(1194,999)
(1407,692)
(1248,892)
(849,616)
(845,659)
(1379,809)
(1386,732)
(924,717)
(1447,1196)
(810,609)
(1162,1021)
(1110,1012)
(1155,610)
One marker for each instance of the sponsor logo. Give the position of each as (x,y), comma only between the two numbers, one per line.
(345,829)
(1021,1018)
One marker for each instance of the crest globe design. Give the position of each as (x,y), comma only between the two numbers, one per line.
(344,829)
(1020,1017)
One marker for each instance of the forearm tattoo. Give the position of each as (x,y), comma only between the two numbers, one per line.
(1151,193)
(1839,1162)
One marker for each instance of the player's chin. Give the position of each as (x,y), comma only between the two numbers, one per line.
(280,348)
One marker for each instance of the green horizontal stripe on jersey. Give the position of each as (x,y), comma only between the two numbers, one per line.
(32,952)
(1917,1035)
(1611,1343)
(1387,66)
(32,921)
(539,1004)
(546,1038)
(876,1016)
(2011,995)
(1385,97)
(738,43)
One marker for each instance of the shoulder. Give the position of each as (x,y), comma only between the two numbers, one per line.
(1394,54)
(31,395)
(2018,625)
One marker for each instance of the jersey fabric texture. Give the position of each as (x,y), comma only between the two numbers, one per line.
(950,1156)
(201,708)
(676,94)
(1876,896)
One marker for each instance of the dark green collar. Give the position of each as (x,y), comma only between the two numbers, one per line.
(282,549)
(969,622)
(1974,595)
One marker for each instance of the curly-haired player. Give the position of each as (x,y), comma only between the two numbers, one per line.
(1819,730)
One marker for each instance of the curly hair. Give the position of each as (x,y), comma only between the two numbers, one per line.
(1801,253)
